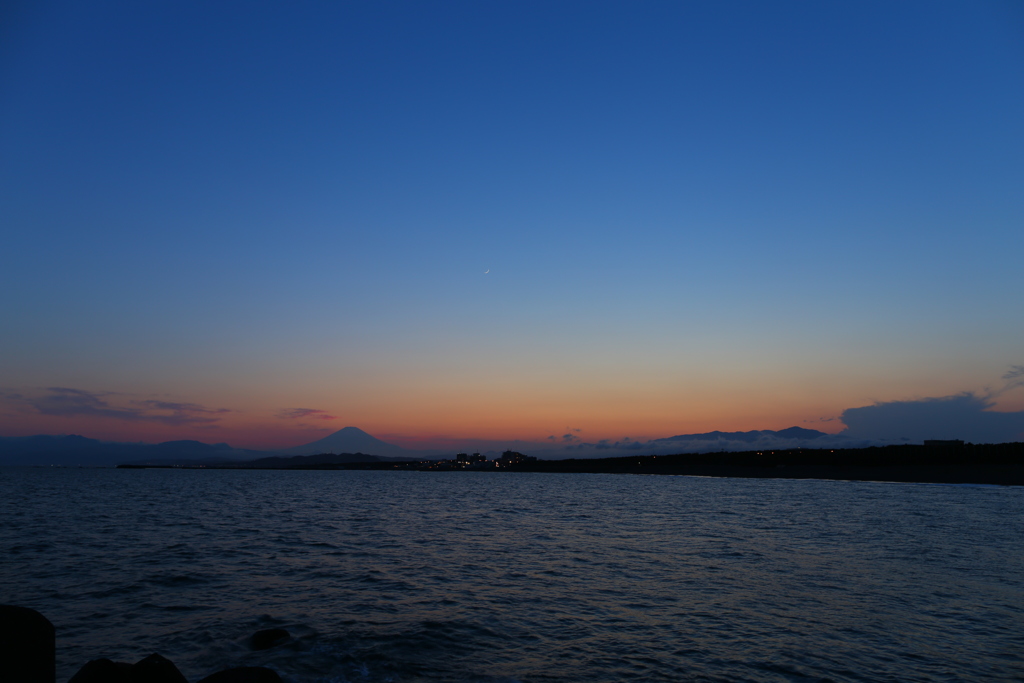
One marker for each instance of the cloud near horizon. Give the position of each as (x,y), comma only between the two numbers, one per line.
(569,437)
(1014,378)
(305,413)
(67,402)
(970,416)
(625,444)
(965,416)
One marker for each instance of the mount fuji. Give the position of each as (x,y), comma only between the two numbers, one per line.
(351,440)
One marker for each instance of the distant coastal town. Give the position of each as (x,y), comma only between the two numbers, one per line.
(477,462)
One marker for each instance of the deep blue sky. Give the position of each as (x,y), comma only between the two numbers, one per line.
(695,215)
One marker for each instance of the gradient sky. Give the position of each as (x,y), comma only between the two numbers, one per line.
(696,216)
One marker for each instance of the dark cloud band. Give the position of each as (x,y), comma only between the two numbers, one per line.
(67,402)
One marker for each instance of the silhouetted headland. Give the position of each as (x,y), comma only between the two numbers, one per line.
(940,462)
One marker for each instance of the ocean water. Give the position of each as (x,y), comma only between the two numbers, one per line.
(414,576)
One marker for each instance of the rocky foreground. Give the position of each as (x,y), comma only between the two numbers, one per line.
(28,655)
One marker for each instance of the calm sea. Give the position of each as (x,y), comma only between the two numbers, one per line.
(410,576)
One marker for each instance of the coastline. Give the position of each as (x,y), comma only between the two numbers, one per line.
(984,464)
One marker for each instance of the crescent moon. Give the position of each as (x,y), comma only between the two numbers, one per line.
(487,271)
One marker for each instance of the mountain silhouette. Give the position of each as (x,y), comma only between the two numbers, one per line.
(350,440)
(799,433)
(75,450)
(753,435)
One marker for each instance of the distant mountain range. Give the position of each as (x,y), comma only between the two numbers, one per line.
(78,450)
(350,442)
(798,433)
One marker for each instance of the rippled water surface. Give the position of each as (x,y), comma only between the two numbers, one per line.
(408,576)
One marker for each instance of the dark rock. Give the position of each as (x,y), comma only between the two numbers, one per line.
(155,669)
(268,638)
(102,671)
(244,674)
(27,646)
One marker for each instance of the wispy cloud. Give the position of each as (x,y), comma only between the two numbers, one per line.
(305,414)
(570,435)
(68,402)
(1014,378)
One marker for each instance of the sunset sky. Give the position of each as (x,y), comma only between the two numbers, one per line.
(257,223)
